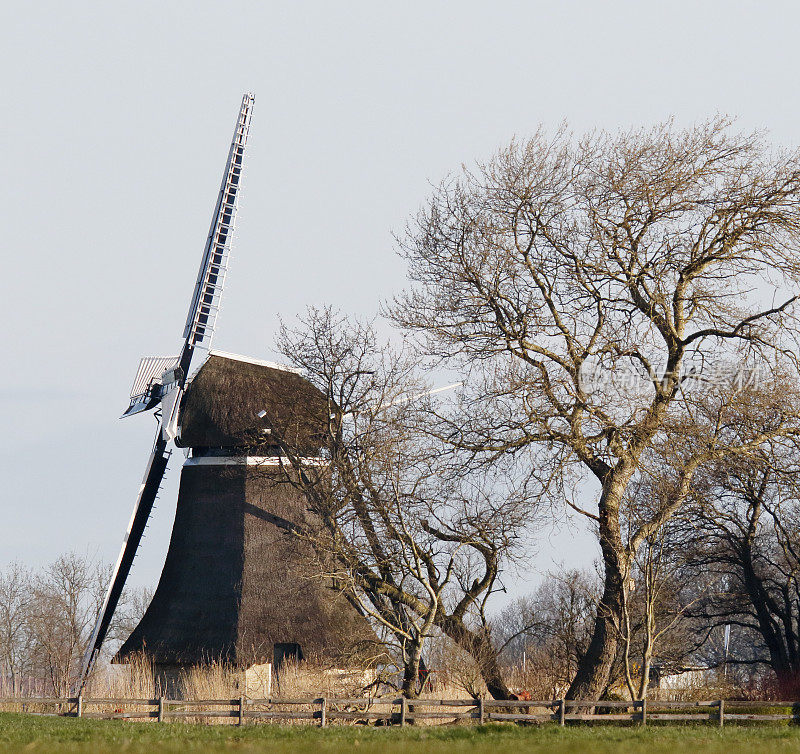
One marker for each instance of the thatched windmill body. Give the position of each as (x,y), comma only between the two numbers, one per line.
(236,588)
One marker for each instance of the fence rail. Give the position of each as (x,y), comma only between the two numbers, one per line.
(403,711)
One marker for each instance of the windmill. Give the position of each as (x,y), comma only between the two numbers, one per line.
(234,588)
(160,381)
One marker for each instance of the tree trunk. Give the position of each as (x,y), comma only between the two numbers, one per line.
(766,611)
(647,661)
(650,633)
(479,645)
(493,676)
(411,660)
(594,669)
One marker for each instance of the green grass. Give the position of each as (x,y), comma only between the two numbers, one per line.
(19,732)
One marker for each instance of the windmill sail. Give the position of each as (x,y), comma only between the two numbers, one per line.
(208,289)
(149,382)
(154,473)
(161,380)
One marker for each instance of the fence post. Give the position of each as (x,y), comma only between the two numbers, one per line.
(79,711)
(721,713)
(562,712)
(323,708)
(644,711)
(241,711)
(481,711)
(403,707)
(161,709)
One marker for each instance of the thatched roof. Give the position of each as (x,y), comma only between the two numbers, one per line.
(223,399)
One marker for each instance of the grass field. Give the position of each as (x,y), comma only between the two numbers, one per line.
(25,733)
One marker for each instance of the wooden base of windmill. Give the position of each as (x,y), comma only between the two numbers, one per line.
(176,681)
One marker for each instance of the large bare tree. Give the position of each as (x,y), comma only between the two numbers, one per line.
(579,282)
(413,541)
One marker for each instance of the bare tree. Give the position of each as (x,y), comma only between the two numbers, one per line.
(544,635)
(746,531)
(658,621)
(580,283)
(46,617)
(15,636)
(415,543)
(65,598)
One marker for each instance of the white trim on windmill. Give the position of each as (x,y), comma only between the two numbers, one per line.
(257,362)
(251,461)
(170,404)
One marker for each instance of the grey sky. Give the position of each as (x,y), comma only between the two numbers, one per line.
(116,118)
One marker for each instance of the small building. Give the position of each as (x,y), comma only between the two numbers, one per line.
(671,678)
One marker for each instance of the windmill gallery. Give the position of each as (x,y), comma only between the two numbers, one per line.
(232,587)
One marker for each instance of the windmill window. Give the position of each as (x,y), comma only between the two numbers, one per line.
(284,651)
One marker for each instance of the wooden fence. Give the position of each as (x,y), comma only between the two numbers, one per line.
(402,711)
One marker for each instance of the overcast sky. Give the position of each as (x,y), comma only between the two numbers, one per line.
(116,120)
